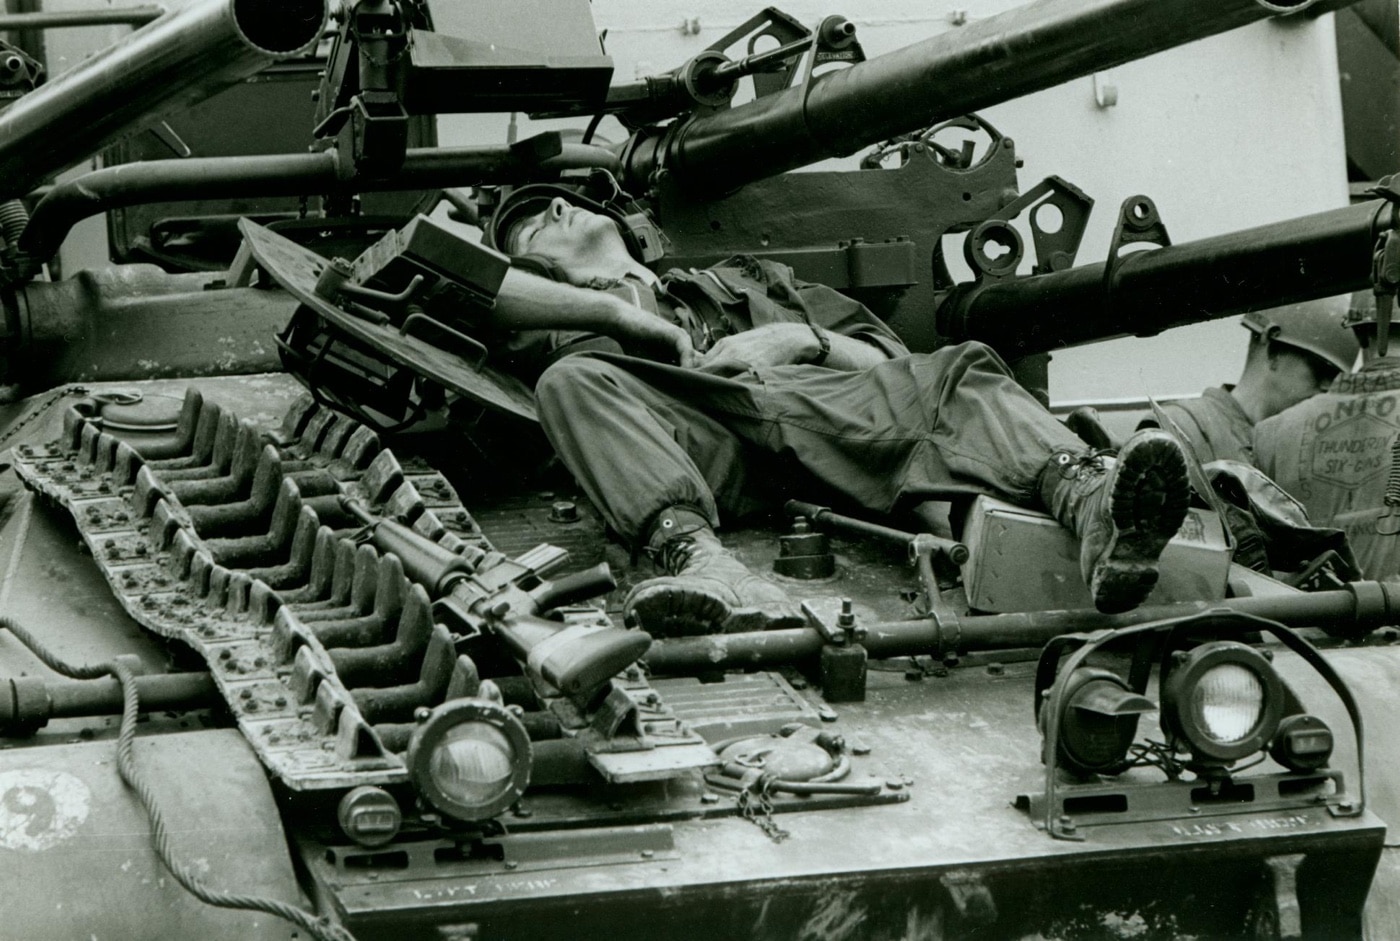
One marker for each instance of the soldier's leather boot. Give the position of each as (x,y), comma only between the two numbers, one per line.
(1123,510)
(705,589)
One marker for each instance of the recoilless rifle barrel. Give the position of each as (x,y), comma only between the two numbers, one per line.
(164,67)
(1353,611)
(986,62)
(1146,292)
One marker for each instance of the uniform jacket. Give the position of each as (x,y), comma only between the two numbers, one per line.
(1334,452)
(738,294)
(1214,425)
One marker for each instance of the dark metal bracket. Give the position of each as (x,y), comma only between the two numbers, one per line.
(1138,224)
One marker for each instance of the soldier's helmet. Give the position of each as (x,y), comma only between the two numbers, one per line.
(1362,310)
(1318,327)
(599,193)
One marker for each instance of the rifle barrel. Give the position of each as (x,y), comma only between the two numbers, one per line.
(167,65)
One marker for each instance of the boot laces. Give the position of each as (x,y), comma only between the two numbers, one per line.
(673,555)
(1083,466)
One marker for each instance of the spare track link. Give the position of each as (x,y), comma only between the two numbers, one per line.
(234,541)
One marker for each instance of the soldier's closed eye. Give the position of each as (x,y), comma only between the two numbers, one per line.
(528,230)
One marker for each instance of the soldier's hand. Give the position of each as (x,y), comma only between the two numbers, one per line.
(774,344)
(650,335)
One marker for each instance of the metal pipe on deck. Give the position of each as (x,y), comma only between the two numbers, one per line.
(165,66)
(989,61)
(1353,611)
(27,703)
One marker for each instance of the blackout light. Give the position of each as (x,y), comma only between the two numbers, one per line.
(369,815)
(1100,721)
(1303,743)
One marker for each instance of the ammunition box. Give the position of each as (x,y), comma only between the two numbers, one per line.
(1023,560)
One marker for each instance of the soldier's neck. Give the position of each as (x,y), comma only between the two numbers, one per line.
(1251,399)
(611,270)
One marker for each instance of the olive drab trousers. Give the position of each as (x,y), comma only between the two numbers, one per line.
(641,436)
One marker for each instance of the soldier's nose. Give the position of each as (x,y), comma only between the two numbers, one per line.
(557,207)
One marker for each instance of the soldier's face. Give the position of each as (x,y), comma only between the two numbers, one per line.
(568,235)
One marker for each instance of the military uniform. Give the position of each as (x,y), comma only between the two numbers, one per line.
(642,436)
(1215,426)
(1333,453)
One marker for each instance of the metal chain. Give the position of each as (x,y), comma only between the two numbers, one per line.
(755,807)
(41,409)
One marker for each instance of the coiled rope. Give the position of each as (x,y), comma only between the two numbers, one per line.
(320,928)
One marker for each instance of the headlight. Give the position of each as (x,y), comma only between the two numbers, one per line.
(1223,700)
(1100,721)
(470,759)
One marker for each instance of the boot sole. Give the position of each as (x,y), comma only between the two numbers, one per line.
(1148,504)
(669,611)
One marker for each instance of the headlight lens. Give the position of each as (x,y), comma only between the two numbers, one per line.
(1223,700)
(1228,703)
(472,763)
(470,759)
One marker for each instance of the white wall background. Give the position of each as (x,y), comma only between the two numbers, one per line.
(1226,133)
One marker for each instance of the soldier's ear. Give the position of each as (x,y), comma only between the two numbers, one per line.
(542,265)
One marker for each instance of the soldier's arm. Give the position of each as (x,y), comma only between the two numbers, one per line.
(852,354)
(529,302)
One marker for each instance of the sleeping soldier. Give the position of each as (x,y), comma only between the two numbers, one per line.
(712,384)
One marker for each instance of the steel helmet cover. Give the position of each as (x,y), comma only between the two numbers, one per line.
(1319,327)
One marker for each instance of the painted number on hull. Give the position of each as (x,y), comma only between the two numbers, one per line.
(1210,828)
(40,809)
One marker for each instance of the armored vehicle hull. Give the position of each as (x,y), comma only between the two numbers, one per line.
(292,581)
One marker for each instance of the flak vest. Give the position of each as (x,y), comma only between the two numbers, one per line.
(1334,453)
